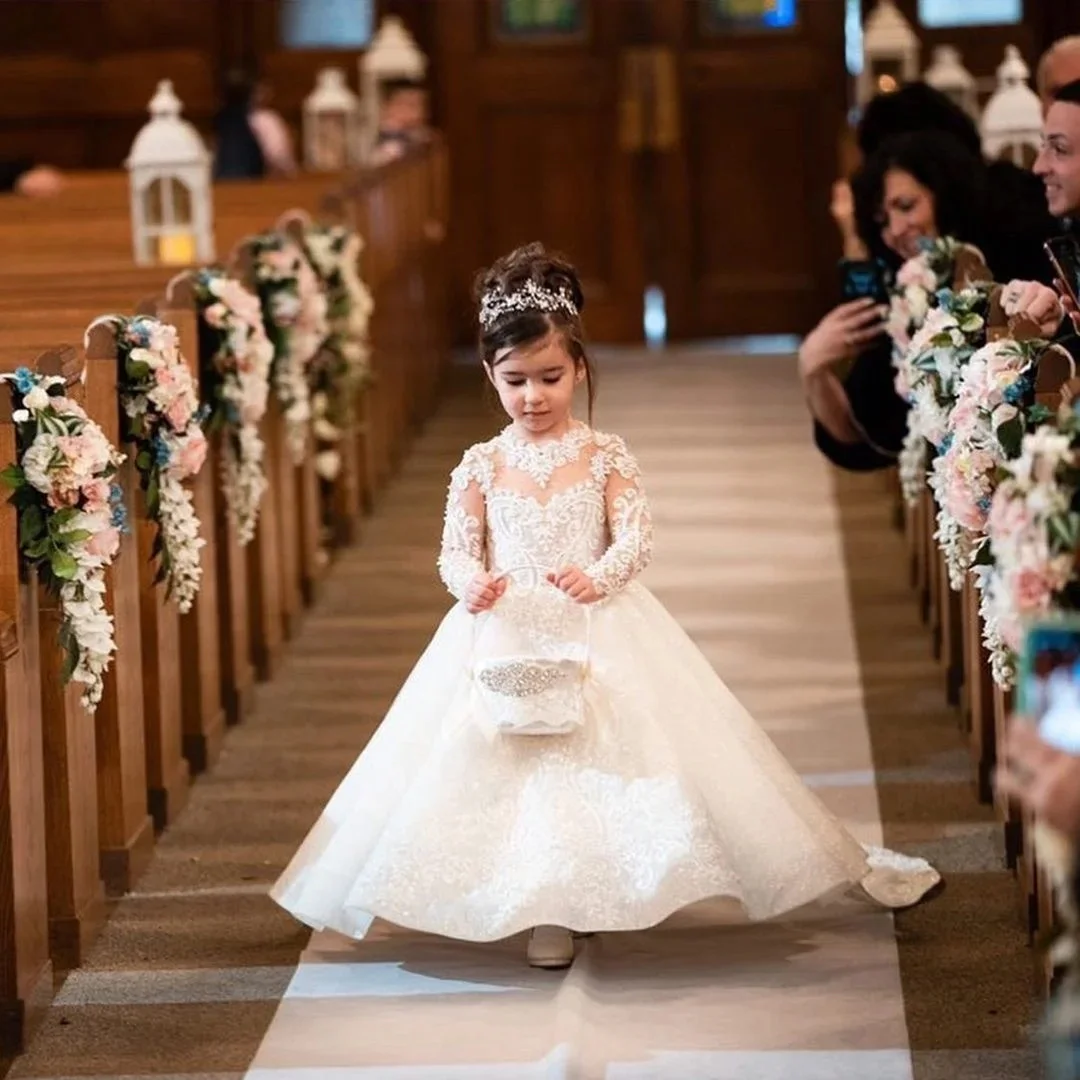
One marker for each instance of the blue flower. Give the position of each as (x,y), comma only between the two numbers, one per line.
(161,452)
(119,518)
(984,504)
(1014,394)
(945,443)
(25,380)
(946,299)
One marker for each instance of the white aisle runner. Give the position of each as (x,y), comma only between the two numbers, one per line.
(748,558)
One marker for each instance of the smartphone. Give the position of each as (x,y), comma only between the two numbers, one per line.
(1048,686)
(1064,255)
(863,278)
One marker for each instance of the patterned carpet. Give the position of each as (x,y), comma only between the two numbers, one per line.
(791,580)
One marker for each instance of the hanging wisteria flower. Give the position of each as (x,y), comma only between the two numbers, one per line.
(343,367)
(930,368)
(295,316)
(1034,533)
(163,420)
(71,514)
(236,356)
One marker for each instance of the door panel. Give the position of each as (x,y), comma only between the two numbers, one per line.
(536,153)
(750,246)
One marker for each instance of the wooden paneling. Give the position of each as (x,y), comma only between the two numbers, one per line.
(536,156)
(743,194)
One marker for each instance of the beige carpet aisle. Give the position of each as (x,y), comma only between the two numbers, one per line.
(792,584)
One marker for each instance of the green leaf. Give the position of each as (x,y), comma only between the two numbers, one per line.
(31,524)
(62,518)
(1066,529)
(12,476)
(143,460)
(1038,414)
(76,536)
(38,549)
(1011,435)
(63,565)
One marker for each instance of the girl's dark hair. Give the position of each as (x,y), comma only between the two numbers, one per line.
(955,176)
(552,272)
(914,107)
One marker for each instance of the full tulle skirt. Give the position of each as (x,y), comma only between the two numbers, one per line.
(669,794)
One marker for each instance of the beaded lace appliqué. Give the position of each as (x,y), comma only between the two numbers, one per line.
(539,460)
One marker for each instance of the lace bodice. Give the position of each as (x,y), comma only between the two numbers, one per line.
(577,501)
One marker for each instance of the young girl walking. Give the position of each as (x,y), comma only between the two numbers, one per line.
(562,758)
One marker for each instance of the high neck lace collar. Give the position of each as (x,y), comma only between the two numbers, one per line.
(540,459)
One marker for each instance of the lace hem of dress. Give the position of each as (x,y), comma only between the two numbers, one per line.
(895,880)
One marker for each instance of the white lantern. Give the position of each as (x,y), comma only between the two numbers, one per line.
(393,54)
(890,52)
(331,123)
(171,200)
(1012,120)
(948,74)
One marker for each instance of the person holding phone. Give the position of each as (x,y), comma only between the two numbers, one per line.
(915,186)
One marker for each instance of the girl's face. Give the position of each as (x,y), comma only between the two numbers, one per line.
(907,213)
(536,384)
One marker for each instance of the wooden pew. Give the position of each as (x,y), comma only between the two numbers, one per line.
(25,965)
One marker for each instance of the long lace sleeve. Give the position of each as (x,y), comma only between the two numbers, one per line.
(461,555)
(629,521)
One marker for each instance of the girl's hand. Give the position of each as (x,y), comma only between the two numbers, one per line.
(576,585)
(841,334)
(483,592)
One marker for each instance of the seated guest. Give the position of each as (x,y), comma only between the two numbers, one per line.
(403,119)
(1014,193)
(1059,66)
(251,140)
(917,186)
(33,181)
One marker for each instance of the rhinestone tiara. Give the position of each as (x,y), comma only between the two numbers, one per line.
(529,297)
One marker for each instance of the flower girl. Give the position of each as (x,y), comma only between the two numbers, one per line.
(563,758)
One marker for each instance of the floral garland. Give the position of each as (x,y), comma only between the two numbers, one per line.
(918,283)
(344,365)
(235,378)
(929,371)
(295,315)
(71,514)
(163,421)
(1034,532)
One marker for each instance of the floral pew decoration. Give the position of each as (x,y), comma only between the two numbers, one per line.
(235,355)
(71,515)
(937,320)
(162,417)
(1033,526)
(294,311)
(343,367)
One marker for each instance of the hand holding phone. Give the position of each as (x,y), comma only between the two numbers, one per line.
(1064,255)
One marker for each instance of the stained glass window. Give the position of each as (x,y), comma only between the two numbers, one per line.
(327,24)
(935,13)
(540,18)
(720,15)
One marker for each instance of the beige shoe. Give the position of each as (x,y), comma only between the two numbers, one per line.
(551,947)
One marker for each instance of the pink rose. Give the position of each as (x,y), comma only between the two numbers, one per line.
(1030,590)
(179,412)
(96,493)
(104,544)
(1008,515)
(65,491)
(190,455)
(964,417)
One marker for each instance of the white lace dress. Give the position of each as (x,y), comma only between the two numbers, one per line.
(669,794)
